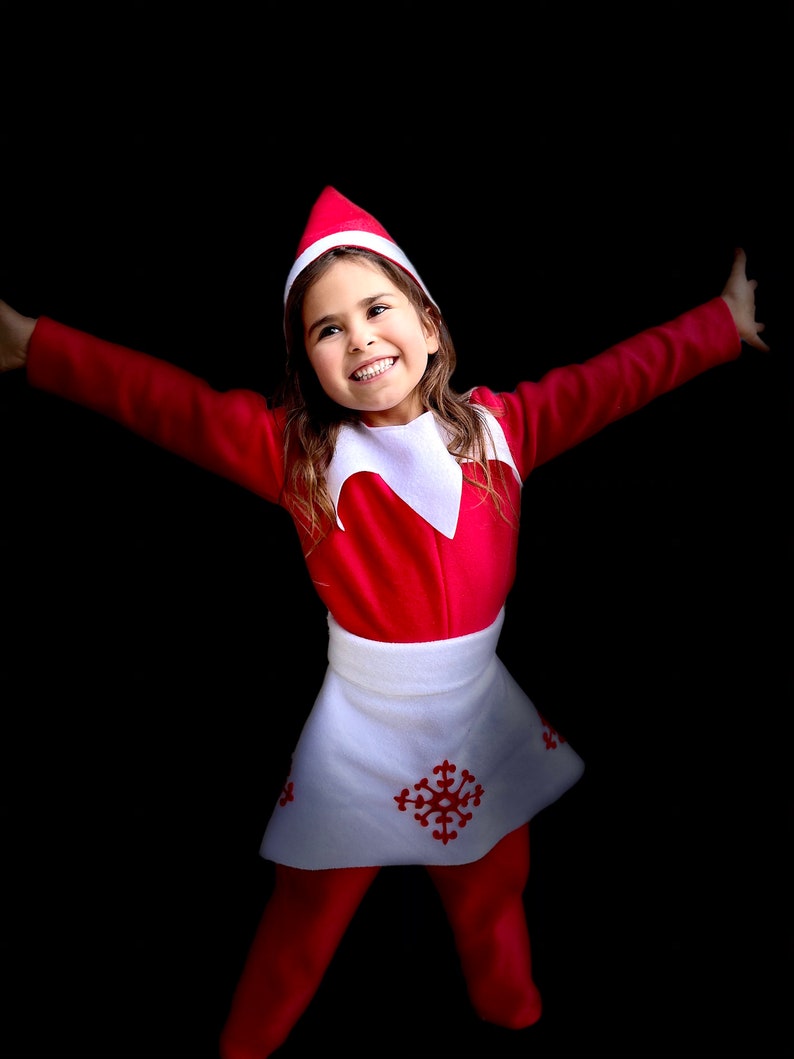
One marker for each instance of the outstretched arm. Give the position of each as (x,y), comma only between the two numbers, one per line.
(232,433)
(15,332)
(739,294)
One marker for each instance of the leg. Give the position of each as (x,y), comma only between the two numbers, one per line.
(485,906)
(299,932)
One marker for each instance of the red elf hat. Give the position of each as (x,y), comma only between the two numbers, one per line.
(336,221)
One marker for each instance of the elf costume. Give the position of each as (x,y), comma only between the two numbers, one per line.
(420,748)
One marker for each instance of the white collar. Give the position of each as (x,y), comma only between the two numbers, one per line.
(414,462)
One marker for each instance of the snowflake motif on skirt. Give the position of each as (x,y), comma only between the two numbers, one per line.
(445,805)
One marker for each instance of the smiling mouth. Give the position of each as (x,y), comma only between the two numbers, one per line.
(371,370)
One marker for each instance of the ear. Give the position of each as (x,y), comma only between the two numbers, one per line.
(431,334)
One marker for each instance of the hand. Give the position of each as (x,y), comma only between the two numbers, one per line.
(15,332)
(739,293)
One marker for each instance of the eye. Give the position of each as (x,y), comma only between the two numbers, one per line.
(376,310)
(330,329)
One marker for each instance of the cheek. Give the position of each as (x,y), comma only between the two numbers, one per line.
(322,365)
(331,378)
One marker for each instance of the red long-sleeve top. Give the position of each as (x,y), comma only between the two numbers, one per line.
(388,575)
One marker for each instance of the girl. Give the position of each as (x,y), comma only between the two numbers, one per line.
(420,748)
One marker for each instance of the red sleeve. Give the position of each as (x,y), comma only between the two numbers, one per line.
(232,433)
(570,404)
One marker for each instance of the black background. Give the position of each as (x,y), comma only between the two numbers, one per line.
(560,180)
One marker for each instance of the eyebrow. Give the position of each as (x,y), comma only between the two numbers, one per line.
(363,304)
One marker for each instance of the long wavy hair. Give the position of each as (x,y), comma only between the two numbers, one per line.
(313,420)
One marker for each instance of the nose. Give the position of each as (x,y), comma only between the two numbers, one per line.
(360,338)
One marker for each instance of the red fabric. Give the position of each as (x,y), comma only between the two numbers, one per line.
(485,906)
(232,434)
(299,932)
(333,213)
(389,575)
(305,920)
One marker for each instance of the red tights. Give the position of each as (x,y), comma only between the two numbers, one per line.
(309,911)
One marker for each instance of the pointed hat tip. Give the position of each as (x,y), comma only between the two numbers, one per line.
(334,220)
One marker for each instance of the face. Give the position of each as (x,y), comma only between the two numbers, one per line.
(366,342)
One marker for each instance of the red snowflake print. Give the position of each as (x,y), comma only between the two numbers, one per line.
(447,806)
(551,737)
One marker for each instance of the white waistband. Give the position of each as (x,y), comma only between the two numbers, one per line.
(411,668)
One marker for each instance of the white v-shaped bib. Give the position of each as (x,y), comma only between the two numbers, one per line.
(414,462)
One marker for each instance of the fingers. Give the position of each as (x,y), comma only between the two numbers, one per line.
(742,295)
(739,260)
(758,343)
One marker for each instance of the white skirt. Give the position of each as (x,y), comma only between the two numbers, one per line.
(419,753)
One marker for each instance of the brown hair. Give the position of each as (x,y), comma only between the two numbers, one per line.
(313,420)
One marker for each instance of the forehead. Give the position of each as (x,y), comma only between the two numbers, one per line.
(346,280)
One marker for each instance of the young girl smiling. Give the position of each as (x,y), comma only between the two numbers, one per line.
(420,747)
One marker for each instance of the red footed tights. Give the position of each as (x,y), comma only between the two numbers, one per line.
(484,902)
(309,911)
(299,932)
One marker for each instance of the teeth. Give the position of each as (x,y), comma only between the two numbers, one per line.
(373,369)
